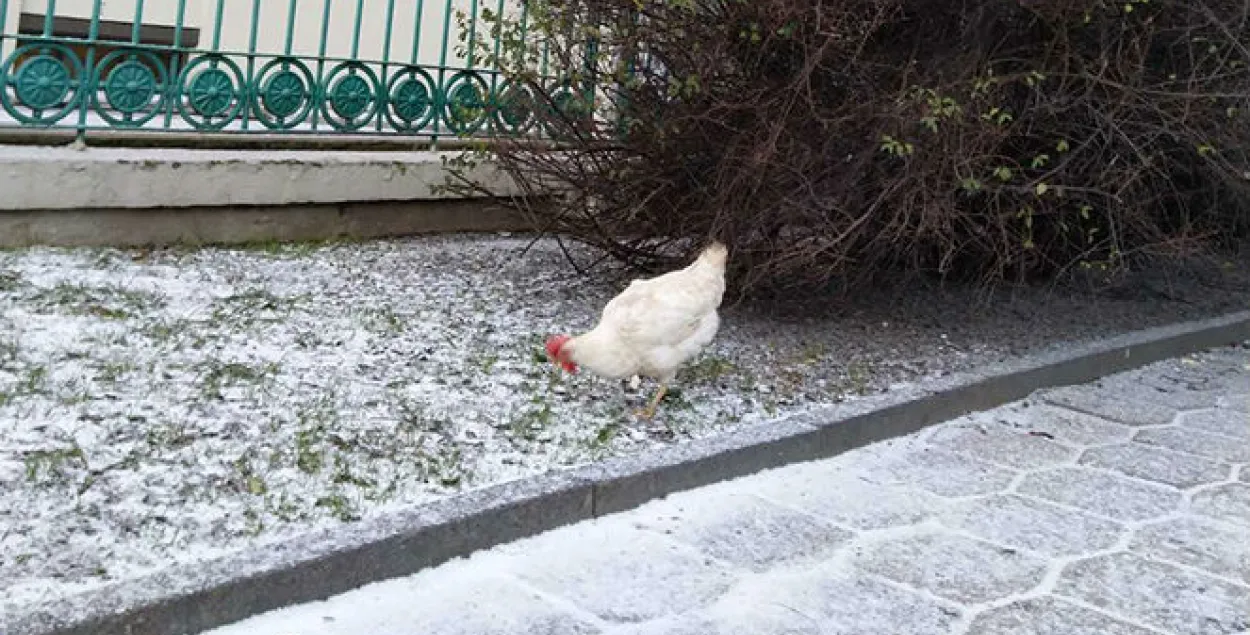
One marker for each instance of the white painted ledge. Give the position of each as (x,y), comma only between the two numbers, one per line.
(63,178)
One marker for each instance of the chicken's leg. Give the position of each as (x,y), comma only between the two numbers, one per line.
(649,411)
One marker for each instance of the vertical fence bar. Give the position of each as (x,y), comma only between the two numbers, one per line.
(136,34)
(543,65)
(524,54)
(386,62)
(360,16)
(136,28)
(50,14)
(442,75)
(355,52)
(173,87)
(290,28)
(4,41)
(524,35)
(251,64)
(469,61)
(590,65)
(86,83)
(416,32)
(496,63)
(288,47)
(623,92)
(218,15)
(318,90)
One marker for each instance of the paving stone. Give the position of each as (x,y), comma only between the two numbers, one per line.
(944,473)
(1225,421)
(1065,425)
(762,621)
(1106,404)
(1212,446)
(1239,402)
(1192,377)
(954,567)
(1023,523)
(1002,445)
(1175,392)
(1229,502)
(1158,594)
(1219,549)
(1233,356)
(743,529)
(1155,464)
(1104,493)
(835,601)
(619,573)
(1049,616)
(457,599)
(848,499)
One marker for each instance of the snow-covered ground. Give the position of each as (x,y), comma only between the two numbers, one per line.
(169,406)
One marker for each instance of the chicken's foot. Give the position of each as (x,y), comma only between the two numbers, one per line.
(649,411)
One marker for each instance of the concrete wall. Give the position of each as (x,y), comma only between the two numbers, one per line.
(103,196)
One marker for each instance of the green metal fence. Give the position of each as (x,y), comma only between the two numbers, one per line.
(359,67)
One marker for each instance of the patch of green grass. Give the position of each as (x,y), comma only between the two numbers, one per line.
(111,371)
(485,361)
(532,420)
(246,479)
(412,416)
(172,436)
(73,394)
(284,507)
(310,437)
(675,400)
(216,375)
(110,302)
(254,523)
(307,339)
(812,353)
(33,380)
(11,281)
(163,331)
(343,474)
(8,352)
(111,259)
(447,466)
(53,465)
(858,375)
(251,306)
(382,319)
(604,436)
(339,507)
(709,369)
(290,249)
(380,494)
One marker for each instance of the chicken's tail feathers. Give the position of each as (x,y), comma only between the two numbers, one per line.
(716,254)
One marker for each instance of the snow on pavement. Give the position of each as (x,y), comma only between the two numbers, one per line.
(171,406)
(1069,513)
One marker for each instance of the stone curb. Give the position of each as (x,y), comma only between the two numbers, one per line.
(192,598)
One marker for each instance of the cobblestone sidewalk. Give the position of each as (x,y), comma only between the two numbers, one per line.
(1116,508)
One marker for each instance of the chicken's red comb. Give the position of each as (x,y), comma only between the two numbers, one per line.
(555,343)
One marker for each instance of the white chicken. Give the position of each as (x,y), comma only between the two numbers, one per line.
(653,327)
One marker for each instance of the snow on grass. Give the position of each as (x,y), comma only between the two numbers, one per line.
(171,406)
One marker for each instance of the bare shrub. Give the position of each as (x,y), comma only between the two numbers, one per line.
(839,140)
